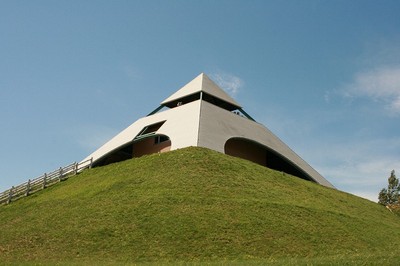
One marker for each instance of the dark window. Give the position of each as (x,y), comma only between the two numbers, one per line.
(149,130)
(160,139)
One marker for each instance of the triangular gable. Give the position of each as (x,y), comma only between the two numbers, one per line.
(201,83)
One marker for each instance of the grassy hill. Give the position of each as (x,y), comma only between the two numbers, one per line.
(195,205)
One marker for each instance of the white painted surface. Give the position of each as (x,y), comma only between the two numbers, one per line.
(181,127)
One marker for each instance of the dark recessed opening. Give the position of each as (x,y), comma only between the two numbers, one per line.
(184,100)
(137,148)
(255,152)
(218,102)
(150,129)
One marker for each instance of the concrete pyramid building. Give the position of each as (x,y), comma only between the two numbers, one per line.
(201,114)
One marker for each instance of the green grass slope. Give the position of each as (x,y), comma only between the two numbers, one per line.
(195,205)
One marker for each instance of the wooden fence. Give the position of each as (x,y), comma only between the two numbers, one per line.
(41,182)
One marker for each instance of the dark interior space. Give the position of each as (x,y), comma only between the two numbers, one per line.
(255,152)
(137,148)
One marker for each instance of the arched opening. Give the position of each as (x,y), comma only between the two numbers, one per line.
(260,154)
(137,148)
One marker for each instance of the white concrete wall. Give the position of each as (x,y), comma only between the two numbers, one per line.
(181,127)
(218,125)
(202,124)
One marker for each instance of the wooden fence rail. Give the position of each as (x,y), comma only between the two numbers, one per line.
(41,182)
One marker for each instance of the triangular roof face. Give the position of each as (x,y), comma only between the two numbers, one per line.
(201,83)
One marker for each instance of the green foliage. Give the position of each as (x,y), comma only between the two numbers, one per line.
(391,194)
(195,206)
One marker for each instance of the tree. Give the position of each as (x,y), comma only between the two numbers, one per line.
(390,195)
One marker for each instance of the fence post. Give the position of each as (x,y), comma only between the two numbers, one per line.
(28,187)
(75,168)
(60,174)
(44,180)
(91,162)
(10,194)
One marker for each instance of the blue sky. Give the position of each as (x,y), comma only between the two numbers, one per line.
(324,76)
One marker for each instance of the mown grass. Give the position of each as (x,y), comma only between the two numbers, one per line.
(195,206)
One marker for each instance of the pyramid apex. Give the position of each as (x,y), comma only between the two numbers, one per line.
(201,83)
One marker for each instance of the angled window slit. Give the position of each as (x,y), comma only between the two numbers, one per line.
(149,131)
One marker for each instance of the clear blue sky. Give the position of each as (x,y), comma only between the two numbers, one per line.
(324,76)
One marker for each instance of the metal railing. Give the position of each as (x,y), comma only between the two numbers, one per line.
(48,179)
